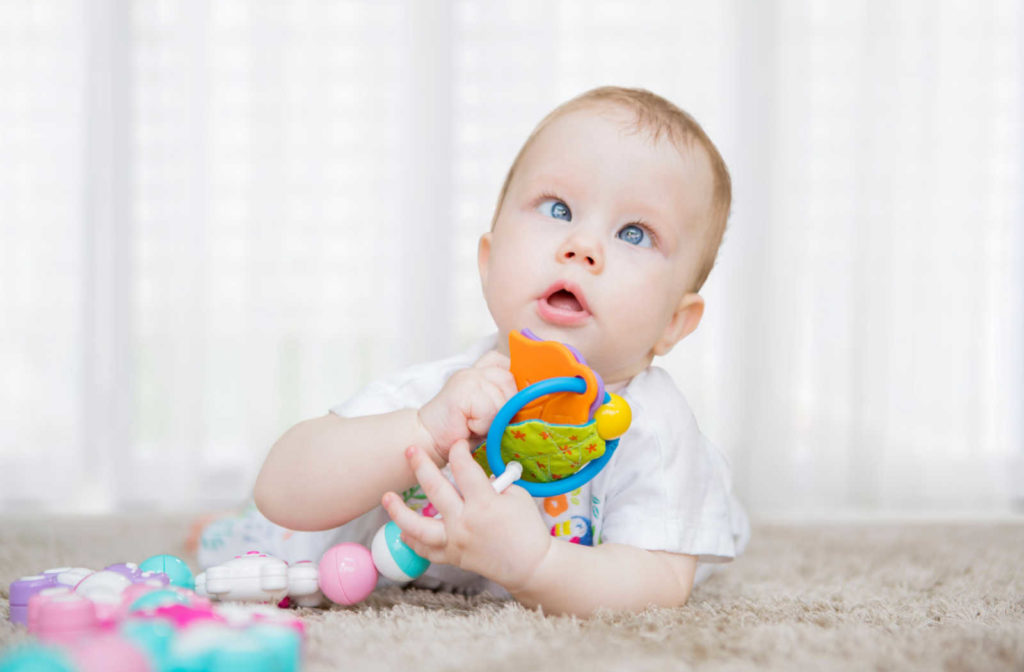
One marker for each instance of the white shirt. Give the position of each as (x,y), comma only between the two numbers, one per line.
(666,488)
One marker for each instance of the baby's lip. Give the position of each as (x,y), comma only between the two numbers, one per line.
(560,315)
(570,287)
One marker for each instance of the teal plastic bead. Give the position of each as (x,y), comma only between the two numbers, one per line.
(282,644)
(174,567)
(35,658)
(241,654)
(407,559)
(152,636)
(158,598)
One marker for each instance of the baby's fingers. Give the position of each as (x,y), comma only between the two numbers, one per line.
(493,358)
(424,530)
(435,486)
(431,553)
(503,380)
(485,407)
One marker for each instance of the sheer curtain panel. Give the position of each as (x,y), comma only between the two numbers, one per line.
(220,218)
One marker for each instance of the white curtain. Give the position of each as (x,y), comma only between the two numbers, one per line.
(217,219)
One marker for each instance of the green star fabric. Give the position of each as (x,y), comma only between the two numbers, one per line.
(548,452)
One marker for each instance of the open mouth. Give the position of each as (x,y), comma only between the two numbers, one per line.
(563,304)
(563,299)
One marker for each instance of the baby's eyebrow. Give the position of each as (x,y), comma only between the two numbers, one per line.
(545,182)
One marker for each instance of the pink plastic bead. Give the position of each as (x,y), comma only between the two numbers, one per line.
(347,573)
(109,653)
(60,615)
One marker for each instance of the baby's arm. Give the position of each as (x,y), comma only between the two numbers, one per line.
(502,537)
(327,471)
(574,579)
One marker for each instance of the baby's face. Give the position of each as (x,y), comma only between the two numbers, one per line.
(598,240)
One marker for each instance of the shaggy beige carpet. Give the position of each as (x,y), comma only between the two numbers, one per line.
(804,597)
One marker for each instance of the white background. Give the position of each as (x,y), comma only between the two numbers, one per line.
(218,219)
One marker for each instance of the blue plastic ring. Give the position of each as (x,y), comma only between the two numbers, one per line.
(513,406)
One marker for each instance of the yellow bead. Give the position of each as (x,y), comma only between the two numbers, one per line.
(613,418)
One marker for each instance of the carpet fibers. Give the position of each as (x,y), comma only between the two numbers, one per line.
(886,596)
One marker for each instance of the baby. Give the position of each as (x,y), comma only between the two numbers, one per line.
(606,228)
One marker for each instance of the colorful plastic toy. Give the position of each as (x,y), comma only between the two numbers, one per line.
(60,614)
(174,567)
(347,573)
(137,574)
(258,577)
(103,653)
(104,589)
(127,619)
(554,426)
(393,558)
(564,429)
(141,599)
(304,585)
(215,647)
(27,586)
(244,615)
(254,576)
(174,629)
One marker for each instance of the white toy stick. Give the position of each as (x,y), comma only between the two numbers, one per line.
(513,472)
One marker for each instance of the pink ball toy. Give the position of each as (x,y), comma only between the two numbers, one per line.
(347,573)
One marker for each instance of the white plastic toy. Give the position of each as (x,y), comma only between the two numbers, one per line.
(258,577)
(104,588)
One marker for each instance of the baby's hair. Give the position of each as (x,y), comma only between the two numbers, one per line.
(657,116)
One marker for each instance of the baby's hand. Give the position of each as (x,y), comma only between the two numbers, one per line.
(468,402)
(500,536)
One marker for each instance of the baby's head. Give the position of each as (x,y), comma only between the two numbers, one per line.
(606,228)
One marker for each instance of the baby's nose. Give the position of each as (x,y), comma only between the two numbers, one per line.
(578,249)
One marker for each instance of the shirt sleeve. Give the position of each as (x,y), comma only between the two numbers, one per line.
(374,399)
(667,487)
(411,387)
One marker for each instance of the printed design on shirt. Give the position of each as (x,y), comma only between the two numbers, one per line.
(567,516)
(576,530)
(216,534)
(595,512)
(415,499)
(553,506)
(548,452)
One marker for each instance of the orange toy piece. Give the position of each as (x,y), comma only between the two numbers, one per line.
(534,361)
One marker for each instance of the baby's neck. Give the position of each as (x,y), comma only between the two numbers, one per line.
(616,387)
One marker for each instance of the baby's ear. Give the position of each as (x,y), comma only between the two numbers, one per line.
(483,256)
(683,322)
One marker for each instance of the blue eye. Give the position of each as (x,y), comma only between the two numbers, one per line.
(552,207)
(634,235)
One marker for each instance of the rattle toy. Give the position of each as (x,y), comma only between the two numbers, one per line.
(551,437)
(562,425)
